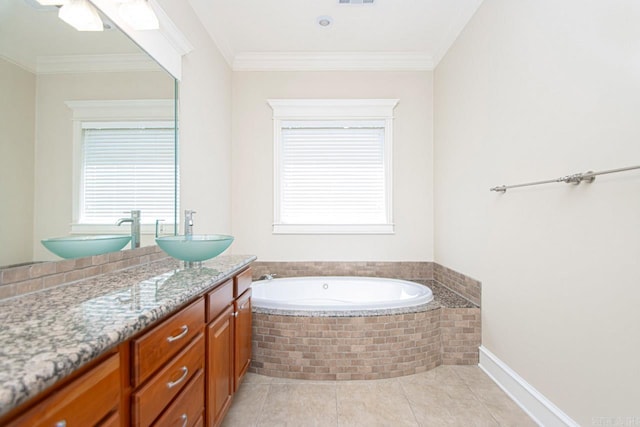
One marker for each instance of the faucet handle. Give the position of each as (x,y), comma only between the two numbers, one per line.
(158,221)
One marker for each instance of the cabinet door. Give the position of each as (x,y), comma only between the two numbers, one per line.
(219,366)
(243,336)
(84,402)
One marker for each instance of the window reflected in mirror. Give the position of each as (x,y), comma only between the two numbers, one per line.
(47,187)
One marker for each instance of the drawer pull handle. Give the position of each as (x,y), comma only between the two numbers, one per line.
(185,331)
(235,314)
(62,423)
(185,420)
(185,372)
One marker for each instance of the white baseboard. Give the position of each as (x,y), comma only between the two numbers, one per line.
(538,407)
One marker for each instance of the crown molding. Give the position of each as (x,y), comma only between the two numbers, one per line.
(166,45)
(333,61)
(170,30)
(95,63)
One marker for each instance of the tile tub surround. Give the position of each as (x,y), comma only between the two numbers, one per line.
(35,277)
(46,335)
(367,345)
(459,283)
(392,270)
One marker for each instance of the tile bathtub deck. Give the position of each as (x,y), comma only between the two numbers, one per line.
(444,396)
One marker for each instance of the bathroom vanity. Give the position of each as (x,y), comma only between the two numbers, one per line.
(150,345)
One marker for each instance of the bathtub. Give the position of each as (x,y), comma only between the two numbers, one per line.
(334,293)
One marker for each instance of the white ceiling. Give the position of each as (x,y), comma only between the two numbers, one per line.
(283,34)
(33,37)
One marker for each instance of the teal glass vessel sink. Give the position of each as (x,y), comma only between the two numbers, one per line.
(82,246)
(196,247)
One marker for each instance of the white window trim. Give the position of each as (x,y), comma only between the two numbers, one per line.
(132,110)
(338,110)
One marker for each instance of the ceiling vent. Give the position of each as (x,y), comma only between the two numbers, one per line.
(356,1)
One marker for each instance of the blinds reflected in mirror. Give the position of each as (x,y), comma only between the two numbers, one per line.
(127,165)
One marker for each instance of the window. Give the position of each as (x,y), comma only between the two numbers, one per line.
(126,165)
(124,159)
(333,166)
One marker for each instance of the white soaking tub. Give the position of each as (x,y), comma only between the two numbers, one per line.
(337,293)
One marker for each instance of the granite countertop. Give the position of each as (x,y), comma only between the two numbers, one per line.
(47,335)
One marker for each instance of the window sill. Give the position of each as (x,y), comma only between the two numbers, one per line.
(333,229)
(125,228)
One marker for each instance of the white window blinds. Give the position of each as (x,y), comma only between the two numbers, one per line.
(332,173)
(127,166)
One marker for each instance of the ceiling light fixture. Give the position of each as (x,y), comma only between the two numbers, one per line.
(139,15)
(324,21)
(50,2)
(81,15)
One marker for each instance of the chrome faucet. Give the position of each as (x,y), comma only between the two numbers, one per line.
(135,227)
(188,222)
(267,276)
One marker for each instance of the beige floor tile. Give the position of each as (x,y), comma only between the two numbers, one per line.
(508,414)
(474,376)
(296,381)
(488,393)
(471,413)
(299,405)
(246,406)
(374,403)
(442,375)
(432,413)
(445,396)
(251,378)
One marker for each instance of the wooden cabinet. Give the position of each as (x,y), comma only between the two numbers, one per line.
(155,395)
(165,360)
(183,371)
(188,408)
(242,336)
(220,374)
(156,347)
(228,344)
(242,282)
(90,399)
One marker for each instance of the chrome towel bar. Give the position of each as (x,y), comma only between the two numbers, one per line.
(576,178)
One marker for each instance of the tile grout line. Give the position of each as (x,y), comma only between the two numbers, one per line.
(475,396)
(264,402)
(404,392)
(335,385)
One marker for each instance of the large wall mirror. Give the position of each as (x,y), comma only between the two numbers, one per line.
(55,84)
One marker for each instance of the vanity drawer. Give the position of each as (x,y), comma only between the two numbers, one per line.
(242,282)
(153,349)
(188,406)
(112,421)
(83,402)
(219,299)
(151,399)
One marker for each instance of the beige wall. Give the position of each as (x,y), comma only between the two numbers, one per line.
(252,183)
(54,138)
(535,90)
(205,126)
(17,125)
